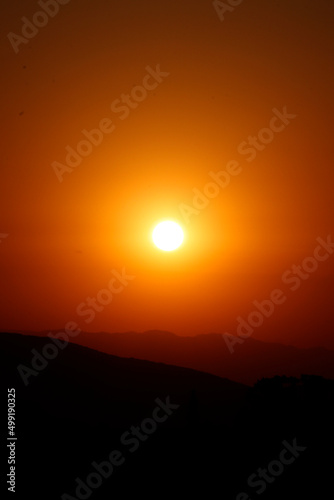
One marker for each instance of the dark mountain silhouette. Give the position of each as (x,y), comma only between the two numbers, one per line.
(74,412)
(249,362)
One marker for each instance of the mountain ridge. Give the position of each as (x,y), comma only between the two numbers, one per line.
(251,361)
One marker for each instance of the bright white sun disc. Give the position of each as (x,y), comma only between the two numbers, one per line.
(167,235)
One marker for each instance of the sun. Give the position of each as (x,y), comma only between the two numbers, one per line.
(167,235)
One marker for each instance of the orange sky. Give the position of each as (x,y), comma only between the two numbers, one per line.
(221,81)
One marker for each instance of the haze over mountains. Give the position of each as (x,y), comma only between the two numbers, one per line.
(209,353)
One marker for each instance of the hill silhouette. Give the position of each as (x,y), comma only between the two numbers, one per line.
(209,353)
(218,433)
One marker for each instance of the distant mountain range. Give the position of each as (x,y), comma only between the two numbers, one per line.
(209,353)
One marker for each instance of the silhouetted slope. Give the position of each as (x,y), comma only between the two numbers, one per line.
(250,361)
(75,411)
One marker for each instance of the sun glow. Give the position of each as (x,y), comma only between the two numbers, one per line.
(167,235)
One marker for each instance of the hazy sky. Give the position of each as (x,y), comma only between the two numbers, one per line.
(251,93)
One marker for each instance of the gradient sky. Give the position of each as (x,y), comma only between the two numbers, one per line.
(224,80)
